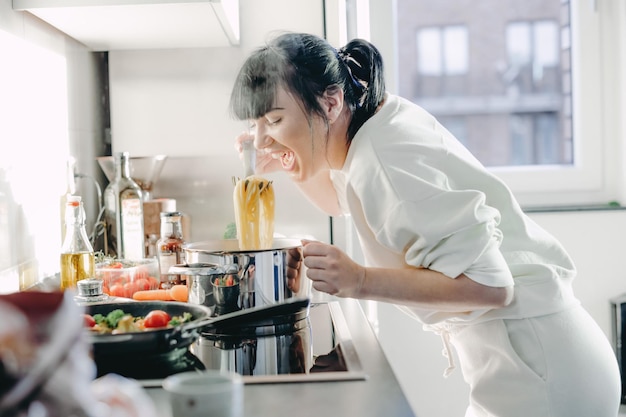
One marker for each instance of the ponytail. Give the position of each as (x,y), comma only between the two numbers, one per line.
(364,67)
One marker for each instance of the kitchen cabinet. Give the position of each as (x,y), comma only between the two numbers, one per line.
(104,25)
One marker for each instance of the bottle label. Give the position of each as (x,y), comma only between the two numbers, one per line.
(132,229)
(166,260)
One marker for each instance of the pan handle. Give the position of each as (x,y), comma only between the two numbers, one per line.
(250,316)
(119,338)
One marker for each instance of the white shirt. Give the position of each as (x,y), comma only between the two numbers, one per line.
(417,197)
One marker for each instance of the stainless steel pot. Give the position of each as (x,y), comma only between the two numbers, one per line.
(262,351)
(268,276)
(200,278)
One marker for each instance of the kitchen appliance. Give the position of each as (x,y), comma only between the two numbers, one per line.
(288,346)
(266,277)
(618,321)
(166,340)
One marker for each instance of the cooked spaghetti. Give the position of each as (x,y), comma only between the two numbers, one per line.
(254,212)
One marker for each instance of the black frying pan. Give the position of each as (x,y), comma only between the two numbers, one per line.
(163,341)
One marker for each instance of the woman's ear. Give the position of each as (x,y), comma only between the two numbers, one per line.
(332,103)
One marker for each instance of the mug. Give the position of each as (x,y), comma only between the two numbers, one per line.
(208,393)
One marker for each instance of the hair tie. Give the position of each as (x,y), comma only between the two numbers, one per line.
(346,59)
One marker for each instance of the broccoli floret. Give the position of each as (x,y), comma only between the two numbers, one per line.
(176,320)
(114,317)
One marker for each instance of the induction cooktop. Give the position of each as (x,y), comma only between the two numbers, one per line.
(326,353)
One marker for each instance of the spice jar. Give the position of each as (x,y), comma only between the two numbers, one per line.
(170,247)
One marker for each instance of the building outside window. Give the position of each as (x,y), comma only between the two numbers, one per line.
(496,75)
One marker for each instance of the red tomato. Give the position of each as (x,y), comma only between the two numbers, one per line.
(156,318)
(142,284)
(154,283)
(89,321)
(129,289)
(116,290)
(230,281)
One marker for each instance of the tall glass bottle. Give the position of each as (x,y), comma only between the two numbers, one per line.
(77,256)
(170,247)
(124,213)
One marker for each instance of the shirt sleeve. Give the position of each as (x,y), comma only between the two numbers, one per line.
(452,232)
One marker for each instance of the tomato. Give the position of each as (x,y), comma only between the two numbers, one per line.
(153,282)
(142,284)
(89,321)
(129,289)
(156,318)
(116,290)
(230,281)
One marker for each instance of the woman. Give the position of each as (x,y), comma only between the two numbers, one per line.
(443,238)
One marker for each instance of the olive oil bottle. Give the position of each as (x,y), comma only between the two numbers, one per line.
(123,211)
(77,255)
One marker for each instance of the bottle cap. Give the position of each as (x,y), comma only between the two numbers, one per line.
(171,214)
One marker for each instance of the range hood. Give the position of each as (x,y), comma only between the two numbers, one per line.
(104,25)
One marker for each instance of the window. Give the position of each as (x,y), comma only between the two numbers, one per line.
(533,92)
(442,51)
(33,81)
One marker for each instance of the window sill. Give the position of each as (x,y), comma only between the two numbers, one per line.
(613,206)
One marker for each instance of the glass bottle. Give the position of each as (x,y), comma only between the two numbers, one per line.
(124,213)
(77,256)
(70,178)
(170,247)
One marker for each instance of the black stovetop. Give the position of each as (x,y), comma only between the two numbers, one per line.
(330,356)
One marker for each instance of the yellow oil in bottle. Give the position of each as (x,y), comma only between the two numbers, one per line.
(76,266)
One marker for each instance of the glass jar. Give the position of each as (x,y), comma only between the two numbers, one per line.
(170,247)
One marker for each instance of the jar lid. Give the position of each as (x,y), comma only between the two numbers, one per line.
(171,214)
(90,287)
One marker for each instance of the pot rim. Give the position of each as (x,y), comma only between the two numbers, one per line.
(232,246)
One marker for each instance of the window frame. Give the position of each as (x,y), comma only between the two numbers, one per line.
(596,177)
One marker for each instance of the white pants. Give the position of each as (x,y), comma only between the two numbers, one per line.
(559,365)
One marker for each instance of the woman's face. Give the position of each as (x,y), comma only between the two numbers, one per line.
(285,133)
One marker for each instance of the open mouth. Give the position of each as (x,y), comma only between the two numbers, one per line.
(287,160)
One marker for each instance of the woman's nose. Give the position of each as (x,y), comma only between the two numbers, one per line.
(261,138)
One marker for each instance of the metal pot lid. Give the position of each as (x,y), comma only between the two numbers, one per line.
(232,246)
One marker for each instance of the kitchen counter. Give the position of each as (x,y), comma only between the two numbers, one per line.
(378,394)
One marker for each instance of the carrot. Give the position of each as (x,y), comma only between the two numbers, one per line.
(158,295)
(179,293)
(176,293)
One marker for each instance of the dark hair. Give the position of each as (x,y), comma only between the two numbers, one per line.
(307,66)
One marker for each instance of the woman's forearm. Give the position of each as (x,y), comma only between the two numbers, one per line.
(424,288)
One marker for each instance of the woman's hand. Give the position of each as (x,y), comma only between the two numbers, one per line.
(331,270)
(264,161)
